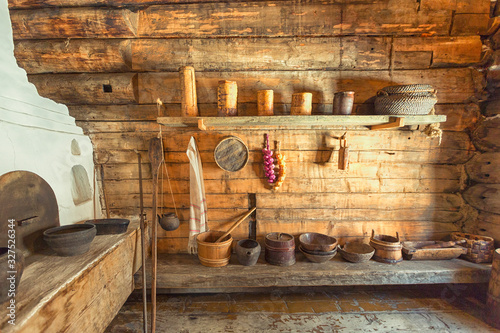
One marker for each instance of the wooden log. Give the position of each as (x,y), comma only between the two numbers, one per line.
(434,156)
(87,88)
(189,107)
(75,55)
(452,85)
(484,197)
(493,296)
(445,51)
(302,141)
(412,59)
(484,168)
(460,6)
(491,107)
(487,135)
(459,116)
(364,201)
(469,24)
(488,224)
(85,22)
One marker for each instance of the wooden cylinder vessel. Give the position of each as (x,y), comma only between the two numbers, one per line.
(214,254)
(493,297)
(265,102)
(301,104)
(227,99)
(388,249)
(280,249)
(189,106)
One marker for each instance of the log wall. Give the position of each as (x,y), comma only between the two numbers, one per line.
(483,192)
(110,60)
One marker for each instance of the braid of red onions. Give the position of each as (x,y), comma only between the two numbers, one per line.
(268,162)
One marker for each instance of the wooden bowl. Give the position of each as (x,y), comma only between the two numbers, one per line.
(313,241)
(357,252)
(318,258)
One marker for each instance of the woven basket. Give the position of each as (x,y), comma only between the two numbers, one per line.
(415,99)
(479,248)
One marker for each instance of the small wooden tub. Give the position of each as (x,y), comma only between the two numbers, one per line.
(214,254)
(387,248)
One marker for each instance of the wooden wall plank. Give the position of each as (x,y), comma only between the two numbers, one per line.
(74,55)
(459,6)
(469,24)
(307,140)
(446,51)
(459,117)
(87,88)
(488,224)
(452,85)
(85,22)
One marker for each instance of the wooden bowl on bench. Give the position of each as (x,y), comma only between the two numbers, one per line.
(313,241)
(357,252)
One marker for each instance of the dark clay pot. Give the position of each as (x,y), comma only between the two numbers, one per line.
(70,240)
(8,285)
(248,252)
(169,222)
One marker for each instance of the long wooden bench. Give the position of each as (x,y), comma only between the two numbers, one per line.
(76,294)
(179,273)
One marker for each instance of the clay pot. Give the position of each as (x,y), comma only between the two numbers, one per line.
(9,285)
(248,252)
(169,222)
(70,240)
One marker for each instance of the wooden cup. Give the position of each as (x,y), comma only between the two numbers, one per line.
(227,99)
(189,107)
(301,104)
(265,99)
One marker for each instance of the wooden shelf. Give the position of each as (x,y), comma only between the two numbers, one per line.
(290,122)
(184,273)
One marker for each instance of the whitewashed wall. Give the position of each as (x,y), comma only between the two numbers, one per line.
(36,132)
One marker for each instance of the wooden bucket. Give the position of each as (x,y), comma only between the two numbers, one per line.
(493,296)
(280,249)
(388,249)
(214,254)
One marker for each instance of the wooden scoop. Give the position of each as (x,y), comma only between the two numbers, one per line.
(236,224)
(440,245)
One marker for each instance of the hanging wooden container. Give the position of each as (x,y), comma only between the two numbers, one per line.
(231,154)
(213,254)
(280,249)
(265,102)
(388,249)
(227,99)
(189,106)
(301,104)
(492,315)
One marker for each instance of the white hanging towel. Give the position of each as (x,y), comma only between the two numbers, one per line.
(198,207)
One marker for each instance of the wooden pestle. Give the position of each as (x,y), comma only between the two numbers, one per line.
(236,224)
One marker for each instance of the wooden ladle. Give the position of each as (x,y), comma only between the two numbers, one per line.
(236,224)
(156,158)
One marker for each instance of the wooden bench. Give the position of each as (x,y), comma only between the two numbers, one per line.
(76,294)
(183,273)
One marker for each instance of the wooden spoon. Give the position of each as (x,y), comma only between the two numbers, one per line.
(156,158)
(236,224)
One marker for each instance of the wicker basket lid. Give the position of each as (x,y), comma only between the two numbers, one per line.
(408,88)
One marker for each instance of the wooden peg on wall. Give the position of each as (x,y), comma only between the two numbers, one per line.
(394,122)
(343,153)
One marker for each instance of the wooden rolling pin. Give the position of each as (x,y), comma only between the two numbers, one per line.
(440,245)
(236,224)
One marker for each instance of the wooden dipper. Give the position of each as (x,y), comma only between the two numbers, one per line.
(189,107)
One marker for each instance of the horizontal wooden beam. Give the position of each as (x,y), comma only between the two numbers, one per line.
(185,272)
(290,122)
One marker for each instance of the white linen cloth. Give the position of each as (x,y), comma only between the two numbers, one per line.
(198,206)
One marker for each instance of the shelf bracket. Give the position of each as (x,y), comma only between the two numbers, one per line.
(201,125)
(394,122)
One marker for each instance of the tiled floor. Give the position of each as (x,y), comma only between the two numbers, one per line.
(442,308)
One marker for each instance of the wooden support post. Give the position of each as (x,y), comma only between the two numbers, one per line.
(493,298)
(394,122)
